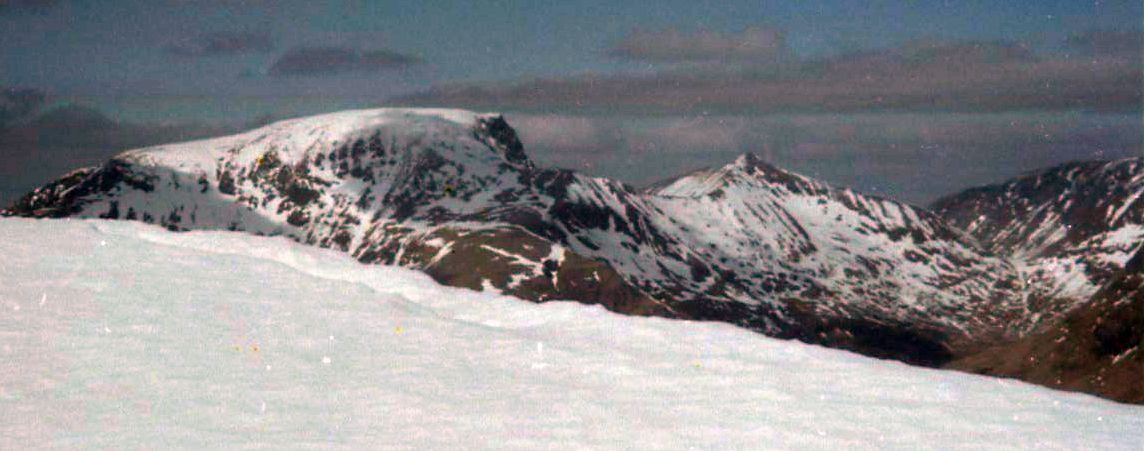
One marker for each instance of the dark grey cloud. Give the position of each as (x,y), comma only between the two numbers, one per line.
(756,44)
(319,61)
(920,76)
(221,44)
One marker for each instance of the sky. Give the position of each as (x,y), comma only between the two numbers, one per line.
(874,94)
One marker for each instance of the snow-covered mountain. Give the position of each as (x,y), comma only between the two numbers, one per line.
(446,191)
(849,267)
(452,193)
(1069,229)
(123,335)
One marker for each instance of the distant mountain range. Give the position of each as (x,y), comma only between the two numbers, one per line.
(452,193)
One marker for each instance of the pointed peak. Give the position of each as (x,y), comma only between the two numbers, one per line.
(747,160)
(749,166)
(504,137)
(747,169)
(750,161)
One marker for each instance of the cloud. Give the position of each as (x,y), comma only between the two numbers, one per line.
(754,44)
(26,5)
(318,61)
(699,134)
(221,44)
(17,103)
(1121,44)
(907,156)
(928,53)
(919,76)
(211,3)
(553,133)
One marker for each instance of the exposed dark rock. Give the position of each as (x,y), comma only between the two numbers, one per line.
(505,136)
(226,183)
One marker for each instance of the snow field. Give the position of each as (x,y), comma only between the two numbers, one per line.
(120,334)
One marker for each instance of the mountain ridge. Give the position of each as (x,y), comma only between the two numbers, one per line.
(1071,227)
(453,193)
(1077,233)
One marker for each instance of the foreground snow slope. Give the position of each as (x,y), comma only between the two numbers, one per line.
(121,334)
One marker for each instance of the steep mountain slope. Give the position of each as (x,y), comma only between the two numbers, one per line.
(1097,347)
(1070,228)
(452,193)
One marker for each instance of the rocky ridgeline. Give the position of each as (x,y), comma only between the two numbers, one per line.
(452,193)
